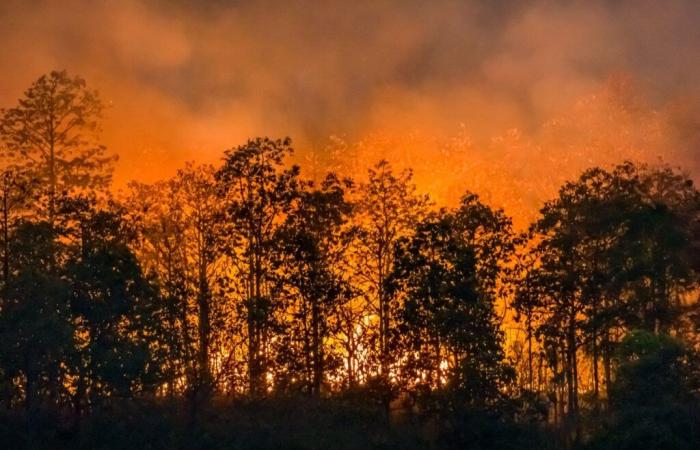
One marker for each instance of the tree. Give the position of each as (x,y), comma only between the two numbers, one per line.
(257,192)
(52,135)
(202,215)
(35,324)
(159,221)
(653,400)
(387,208)
(656,248)
(14,198)
(315,238)
(447,274)
(178,223)
(612,252)
(116,312)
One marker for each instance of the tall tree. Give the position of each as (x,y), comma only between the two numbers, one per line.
(387,207)
(258,191)
(612,252)
(196,192)
(116,312)
(52,134)
(447,274)
(157,214)
(655,250)
(315,238)
(178,223)
(35,323)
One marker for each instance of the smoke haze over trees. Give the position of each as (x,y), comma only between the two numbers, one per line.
(183,79)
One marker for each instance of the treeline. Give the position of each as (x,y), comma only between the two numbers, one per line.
(247,282)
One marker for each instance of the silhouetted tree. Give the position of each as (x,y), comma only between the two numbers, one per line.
(653,400)
(115,310)
(388,206)
(52,135)
(612,252)
(159,220)
(315,238)
(447,274)
(655,250)
(195,191)
(178,224)
(203,214)
(36,333)
(257,192)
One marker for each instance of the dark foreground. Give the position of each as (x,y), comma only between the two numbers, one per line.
(296,424)
(280,424)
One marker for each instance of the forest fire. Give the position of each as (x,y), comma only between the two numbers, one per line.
(377,225)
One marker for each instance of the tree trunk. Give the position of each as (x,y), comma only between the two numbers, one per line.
(204,326)
(596,388)
(572,369)
(6,241)
(529,350)
(253,348)
(382,326)
(52,178)
(607,370)
(317,345)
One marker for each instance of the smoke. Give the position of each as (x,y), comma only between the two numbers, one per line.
(186,79)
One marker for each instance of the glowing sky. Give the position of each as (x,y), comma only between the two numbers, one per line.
(186,79)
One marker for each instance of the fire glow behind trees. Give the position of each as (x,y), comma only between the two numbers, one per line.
(382,225)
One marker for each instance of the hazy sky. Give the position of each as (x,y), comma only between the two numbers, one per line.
(186,79)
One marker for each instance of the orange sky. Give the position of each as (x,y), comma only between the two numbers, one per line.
(505,98)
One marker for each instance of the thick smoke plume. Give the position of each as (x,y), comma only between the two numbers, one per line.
(491,96)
